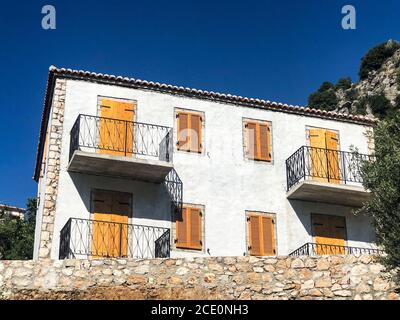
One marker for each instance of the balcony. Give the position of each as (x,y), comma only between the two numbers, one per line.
(328,176)
(315,249)
(119,148)
(82,238)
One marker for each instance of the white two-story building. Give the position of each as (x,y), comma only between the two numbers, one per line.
(138,169)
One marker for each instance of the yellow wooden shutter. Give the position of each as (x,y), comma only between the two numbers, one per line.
(317,158)
(183,131)
(121,212)
(102,234)
(332,144)
(329,231)
(116,137)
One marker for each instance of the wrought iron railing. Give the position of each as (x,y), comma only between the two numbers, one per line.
(103,239)
(324,165)
(174,187)
(314,249)
(120,137)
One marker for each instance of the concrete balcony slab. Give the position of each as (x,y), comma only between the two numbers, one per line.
(340,194)
(119,166)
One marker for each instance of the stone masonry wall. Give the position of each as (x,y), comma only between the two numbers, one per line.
(52,169)
(333,277)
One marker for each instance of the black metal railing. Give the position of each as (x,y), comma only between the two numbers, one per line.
(174,187)
(314,249)
(103,239)
(120,137)
(324,165)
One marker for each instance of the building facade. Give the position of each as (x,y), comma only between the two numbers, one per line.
(12,211)
(130,168)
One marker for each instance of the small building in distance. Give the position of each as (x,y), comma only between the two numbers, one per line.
(13,211)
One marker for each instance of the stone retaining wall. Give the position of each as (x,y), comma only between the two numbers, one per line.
(334,277)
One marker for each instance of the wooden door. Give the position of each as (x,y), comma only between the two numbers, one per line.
(111,211)
(324,160)
(261,235)
(116,129)
(329,232)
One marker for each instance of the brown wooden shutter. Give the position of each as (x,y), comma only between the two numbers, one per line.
(189,229)
(268,236)
(181,230)
(264,140)
(183,131)
(252,140)
(254,235)
(195,229)
(195,133)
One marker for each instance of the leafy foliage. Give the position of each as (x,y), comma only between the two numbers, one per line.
(343,83)
(380,105)
(398,79)
(361,106)
(382,177)
(376,56)
(17,235)
(324,98)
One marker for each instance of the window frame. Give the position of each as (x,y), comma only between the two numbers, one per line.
(245,122)
(271,215)
(175,246)
(190,112)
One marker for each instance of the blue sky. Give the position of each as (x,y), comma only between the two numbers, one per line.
(275,50)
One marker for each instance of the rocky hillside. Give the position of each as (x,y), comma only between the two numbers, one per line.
(376,93)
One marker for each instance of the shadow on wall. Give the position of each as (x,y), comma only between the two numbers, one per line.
(149,200)
(359,228)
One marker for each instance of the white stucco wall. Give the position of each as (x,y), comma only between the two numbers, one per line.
(220,179)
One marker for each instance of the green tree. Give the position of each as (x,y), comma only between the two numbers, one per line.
(380,105)
(376,56)
(17,235)
(343,83)
(382,177)
(324,98)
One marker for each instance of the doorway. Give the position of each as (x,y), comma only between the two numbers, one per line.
(324,155)
(110,216)
(116,127)
(329,233)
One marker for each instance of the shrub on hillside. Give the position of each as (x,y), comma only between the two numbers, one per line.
(380,105)
(361,106)
(324,98)
(376,56)
(343,83)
